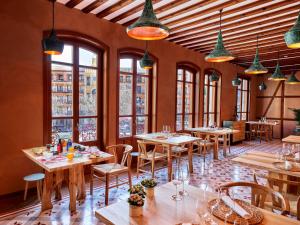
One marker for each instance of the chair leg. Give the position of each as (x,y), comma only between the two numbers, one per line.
(138,167)
(91,182)
(152,167)
(129,178)
(25,191)
(106,188)
(204,152)
(117,181)
(38,190)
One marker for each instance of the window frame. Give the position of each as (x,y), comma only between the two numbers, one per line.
(77,42)
(241,90)
(192,70)
(217,99)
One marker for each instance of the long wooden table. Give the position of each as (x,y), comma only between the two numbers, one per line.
(168,143)
(264,161)
(54,174)
(292,139)
(216,133)
(163,210)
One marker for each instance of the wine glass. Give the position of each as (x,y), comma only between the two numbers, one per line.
(177,180)
(185,176)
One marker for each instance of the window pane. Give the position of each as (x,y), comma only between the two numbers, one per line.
(238,104)
(62,128)
(87,92)
(62,90)
(87,129)
(125,95)
(180,74)
(179,122)
(125,127)
(244,116)
(205,98)
(188,76)
(205,120)
(141,125)
(66,56)
(245,84)
(142,95)
(188,98)
(244,104)
(188,121)
(212,98)
(140,70)
(87,58)
(126,65)
(206,79)
(179,96)
(211,119)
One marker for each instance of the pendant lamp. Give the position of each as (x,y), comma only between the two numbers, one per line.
(146,62)
(148,27)
(292,37)
(236,81)
(219,53)
(52,45)
(277,75)
(262,86)
(256,67)
(214,77)
(293,79)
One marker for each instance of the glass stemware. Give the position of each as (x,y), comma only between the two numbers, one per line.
(185,176)
(177,180)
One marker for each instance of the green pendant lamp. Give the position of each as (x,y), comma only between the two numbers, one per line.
(148,27)
(146,62)
(219,53)
(52,45)
(293,79)
(292,37)
(262,86)
(256,67)
(236,81)
(214,77)
(277,75)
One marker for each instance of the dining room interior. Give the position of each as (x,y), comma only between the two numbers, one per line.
(150,112)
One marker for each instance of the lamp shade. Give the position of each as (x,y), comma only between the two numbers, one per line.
(277,75)
(148,27)
(146,62)
(236,82)
(292,37)
(214,77)
(262,86)
(219,53)
(52,45)
(256,67)
(293,79)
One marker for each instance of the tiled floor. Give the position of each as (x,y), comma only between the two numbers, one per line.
(217,171)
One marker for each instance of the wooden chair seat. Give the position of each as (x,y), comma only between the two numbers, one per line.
(149,156)
(178,149)
(111,168)
(36,177)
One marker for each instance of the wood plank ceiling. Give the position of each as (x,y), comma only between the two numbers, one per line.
(194,24)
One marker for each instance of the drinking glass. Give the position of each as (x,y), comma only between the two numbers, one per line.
(177,180)
(185,176)
(205,216)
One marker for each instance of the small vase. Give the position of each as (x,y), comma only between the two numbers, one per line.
(135,211)
(149,192)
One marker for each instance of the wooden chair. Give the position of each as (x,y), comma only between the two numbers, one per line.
(113,169)
(38,178)
(222,140)
(259,195)
(282,185)
(253,131)
(263,132)
(148,157)
(203,144)
(178,150)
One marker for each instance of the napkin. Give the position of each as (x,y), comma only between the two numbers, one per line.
(235,207)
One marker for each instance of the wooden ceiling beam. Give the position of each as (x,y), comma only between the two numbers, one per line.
(114,7)
(73,3)
(269,11)
(271,59)
(267,54)
(94,5)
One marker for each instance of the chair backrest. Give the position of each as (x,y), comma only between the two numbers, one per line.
(184,134)
(142,147)
(258,192)
(126,157)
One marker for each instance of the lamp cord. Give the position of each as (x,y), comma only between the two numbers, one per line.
(221,18)
(53,1)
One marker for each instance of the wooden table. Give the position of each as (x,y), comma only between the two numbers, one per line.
(292,139)
(216,133)
(172,141)
(54,174)
(270,124)
(264,161)
(163,210)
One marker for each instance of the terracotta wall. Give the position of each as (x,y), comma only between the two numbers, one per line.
(21,78)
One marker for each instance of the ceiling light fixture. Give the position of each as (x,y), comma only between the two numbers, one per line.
(146,62)
(292,37)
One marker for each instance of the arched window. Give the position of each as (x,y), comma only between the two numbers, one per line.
(243,99)
(211,99)
(74,94)
(134,96)
(185,97)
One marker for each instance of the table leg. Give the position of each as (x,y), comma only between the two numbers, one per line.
(190,155)
(216,147)
(59,176)
(169,152)
(81,194)
(72,189)
(225,145)
(47,191)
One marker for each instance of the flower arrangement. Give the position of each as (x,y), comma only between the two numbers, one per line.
(149,183)
(137,189)
(136,200)
(297,114)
